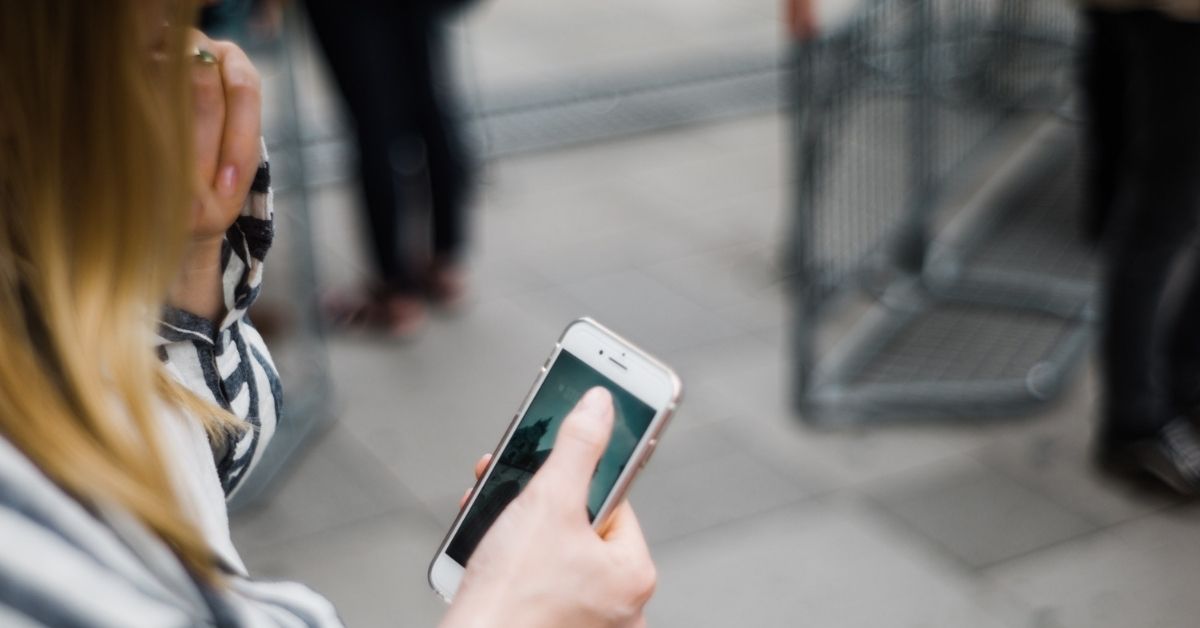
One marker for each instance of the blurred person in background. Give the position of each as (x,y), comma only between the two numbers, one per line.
(239,20)
(132,182)
(1142,201)
(389,61)
(809,18)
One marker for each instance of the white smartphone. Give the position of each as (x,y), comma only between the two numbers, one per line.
(645,394)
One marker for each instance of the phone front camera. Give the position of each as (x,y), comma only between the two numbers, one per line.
(602,352)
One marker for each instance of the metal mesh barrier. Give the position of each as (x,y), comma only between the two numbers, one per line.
(300,354)
(944,345)
(554,115)
(891,112)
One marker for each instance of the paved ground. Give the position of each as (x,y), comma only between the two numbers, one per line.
(672,238)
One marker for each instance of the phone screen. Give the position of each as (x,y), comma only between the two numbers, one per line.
(568,378)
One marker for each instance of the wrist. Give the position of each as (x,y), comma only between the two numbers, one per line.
(197,287)
(467,614)
(494,609)
(202,254)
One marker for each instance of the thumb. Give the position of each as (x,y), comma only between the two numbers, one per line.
(581,440)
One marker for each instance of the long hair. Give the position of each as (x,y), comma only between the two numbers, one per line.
(95,184)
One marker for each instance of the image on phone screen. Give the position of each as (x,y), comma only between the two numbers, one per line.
(564,384)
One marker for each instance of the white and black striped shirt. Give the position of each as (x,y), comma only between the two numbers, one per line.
(62,564)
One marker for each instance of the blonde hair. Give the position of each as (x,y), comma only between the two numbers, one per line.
(95,183)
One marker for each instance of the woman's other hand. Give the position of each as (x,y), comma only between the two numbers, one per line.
(542,563)
(227,105)
(227,110)
(481,465)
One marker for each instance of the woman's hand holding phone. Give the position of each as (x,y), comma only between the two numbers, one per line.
(542,563)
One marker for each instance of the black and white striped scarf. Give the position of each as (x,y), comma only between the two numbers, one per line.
(227,363)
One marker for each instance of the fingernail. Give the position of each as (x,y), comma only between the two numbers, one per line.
(225,180)
(594,401)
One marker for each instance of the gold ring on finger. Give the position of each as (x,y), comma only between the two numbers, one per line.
(204,57)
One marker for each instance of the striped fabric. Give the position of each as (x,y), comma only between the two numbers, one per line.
(228,363)
(62,564)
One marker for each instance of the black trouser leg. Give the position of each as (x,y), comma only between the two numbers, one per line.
(1104,137)
(1156,213)
(1184,353)
(1185,347)
(448,159)
(367,46)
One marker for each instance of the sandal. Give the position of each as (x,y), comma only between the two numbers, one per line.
(400,316)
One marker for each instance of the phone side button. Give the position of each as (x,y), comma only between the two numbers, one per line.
(650,445)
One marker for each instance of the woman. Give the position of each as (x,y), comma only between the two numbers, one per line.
(130,179)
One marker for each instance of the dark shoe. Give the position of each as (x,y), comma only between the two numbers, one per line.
(404,316)
(1171,455)
(399,315)
(447,284)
